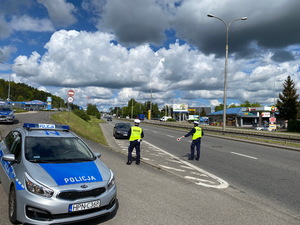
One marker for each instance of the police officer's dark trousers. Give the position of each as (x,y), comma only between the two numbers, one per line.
(195,143)
(134,144)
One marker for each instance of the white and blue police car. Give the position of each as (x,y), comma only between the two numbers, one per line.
(7,114)
(52,177)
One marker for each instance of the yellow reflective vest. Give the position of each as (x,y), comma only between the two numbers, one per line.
(198,133)
(136,133)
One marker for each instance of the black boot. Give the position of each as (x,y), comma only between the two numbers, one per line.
(128,162)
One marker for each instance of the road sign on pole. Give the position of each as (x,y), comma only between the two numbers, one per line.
(70,99)
(71,93)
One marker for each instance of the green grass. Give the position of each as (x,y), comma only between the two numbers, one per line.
(87,129)
(19,110)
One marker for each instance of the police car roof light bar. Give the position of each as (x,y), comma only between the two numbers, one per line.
(30,126)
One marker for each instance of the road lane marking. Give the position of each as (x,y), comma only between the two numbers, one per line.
(187,167)
(171,168)
(198,179)
(198,174)
(170,136)
(172,160)
(219,184)
(248,156)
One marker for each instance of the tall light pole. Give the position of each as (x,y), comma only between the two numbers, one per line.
(10,66)
(131,108)
(226,64)
(151,104)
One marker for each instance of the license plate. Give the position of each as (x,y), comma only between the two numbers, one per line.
(84,206)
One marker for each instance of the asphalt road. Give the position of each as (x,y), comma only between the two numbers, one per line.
(151,195)
(270,173)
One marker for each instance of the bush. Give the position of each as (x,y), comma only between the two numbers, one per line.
(98,116)
(171,120)
(293,126)
(82,114)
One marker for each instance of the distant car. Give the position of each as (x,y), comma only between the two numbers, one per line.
(53,177)
(7,114)
(165,118)
(109,118)
(265,128)
(121,130)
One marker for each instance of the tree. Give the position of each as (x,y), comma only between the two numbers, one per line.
(219,108)
(92,110)
(203,113)
(288,100)
(246,104)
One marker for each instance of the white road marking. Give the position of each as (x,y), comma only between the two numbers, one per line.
(170,136)
(198,179)
(175,161)
(171,168)
(199,174)
(251,157)
(187,167)
(155,132)
(145,159)
(221,183)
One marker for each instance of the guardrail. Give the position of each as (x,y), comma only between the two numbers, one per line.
(277,136)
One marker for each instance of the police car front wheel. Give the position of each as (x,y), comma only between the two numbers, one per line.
(12,206)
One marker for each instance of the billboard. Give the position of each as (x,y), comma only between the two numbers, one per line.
(181,108)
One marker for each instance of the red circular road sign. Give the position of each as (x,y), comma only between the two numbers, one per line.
(71,93)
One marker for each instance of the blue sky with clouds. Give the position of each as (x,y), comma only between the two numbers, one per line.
(109,51)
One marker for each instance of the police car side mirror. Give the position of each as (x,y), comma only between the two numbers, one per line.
(9,158)
(97,154)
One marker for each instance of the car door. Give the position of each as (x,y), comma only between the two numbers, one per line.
(10,145)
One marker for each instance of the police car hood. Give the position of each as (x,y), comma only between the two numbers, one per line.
(58,174)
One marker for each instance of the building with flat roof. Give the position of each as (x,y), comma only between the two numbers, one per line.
(244,117)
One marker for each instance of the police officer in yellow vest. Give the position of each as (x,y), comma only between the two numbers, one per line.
(196,133)
(135,134)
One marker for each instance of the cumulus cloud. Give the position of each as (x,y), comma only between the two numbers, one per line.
(60,12)
(169,48)
(4,27)
(138,21)
(27,23)
(5,51)
(82,59)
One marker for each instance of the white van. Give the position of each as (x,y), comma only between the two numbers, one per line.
(165,118)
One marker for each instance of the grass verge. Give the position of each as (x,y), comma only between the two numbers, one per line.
(88,129)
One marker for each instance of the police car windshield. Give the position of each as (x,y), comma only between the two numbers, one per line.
(5,109)
(53,149)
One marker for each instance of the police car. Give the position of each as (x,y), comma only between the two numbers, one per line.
(6,113)
(52,177)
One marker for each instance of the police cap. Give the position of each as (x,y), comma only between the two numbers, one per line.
(137,121)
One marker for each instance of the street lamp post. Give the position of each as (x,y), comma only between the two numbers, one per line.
(151,105)
(10,66)
(131,108)
(226,64)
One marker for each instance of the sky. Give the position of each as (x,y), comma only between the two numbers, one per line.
(164,51)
